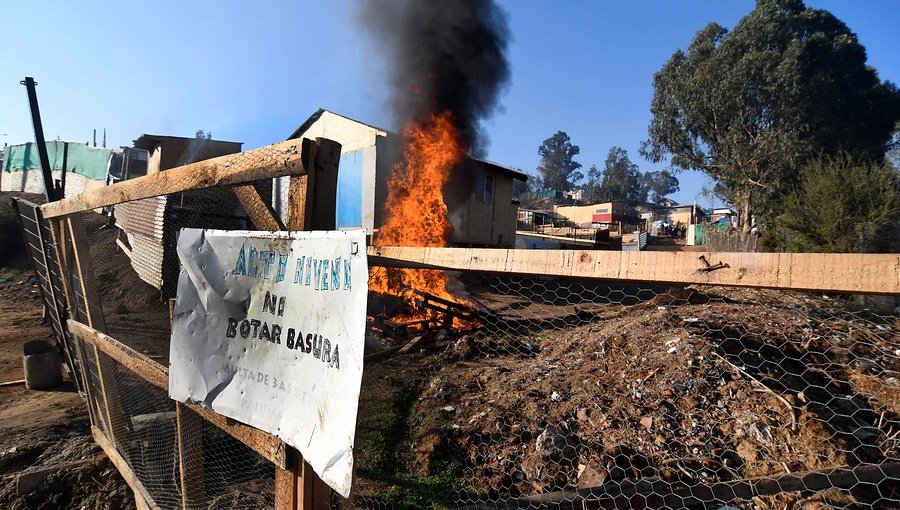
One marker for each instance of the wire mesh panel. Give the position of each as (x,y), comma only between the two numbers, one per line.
(146,438)
(41,244)
(234,475)
(180,459)
(573,392)
(503,391)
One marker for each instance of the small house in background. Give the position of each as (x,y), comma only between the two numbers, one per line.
(148,228)
(479,197)
(688,214)
(723,215)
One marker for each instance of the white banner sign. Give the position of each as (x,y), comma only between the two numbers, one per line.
(269,329)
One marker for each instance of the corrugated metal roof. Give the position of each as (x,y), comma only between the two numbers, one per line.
(147,258)
(142,217)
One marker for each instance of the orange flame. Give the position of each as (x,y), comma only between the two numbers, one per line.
(416,212)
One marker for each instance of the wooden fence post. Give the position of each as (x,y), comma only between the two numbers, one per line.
(311,206)
(190,458)
(113,413)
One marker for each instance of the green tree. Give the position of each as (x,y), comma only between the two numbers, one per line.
(842,204)
(751,106)
(661,184)
(592,185)
(203,135)
(622,180)
(558,166)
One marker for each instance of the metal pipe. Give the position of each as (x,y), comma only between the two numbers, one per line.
(65,168)
(49,189)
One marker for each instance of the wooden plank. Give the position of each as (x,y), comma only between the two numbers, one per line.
(286,488)
(62,248)
(263,443)
(266,445)
(276,160)
(62,256)
(149,370)
(88,389)
(106,370)
(297,198)
(142,498)
(301,190)
(112,411)
(823,272)
(312,492)
(190,458)
(261,214)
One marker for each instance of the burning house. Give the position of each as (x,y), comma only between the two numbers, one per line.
(479,197)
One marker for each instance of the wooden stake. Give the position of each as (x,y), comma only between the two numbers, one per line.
(261,214)
(190,458)
(142,498)
(311,205)
(106,370)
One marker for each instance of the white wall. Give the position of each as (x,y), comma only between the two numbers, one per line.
(353,136)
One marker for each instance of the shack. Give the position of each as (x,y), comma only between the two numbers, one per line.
(480,200)
(148,228)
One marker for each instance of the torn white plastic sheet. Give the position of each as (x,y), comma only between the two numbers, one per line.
(269,329)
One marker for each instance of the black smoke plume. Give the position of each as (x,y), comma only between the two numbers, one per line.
(442,55)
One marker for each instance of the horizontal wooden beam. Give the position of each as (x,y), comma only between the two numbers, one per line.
(143,500)
(825,272)
(267,445)
(276,160)
(149,370)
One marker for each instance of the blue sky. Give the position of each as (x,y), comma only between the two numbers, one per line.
(253,71)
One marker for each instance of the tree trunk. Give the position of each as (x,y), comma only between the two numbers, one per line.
(745,218)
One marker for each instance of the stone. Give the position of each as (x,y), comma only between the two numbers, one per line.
(582,415)
(590,476)
(552,444)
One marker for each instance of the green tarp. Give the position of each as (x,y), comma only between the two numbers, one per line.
(90,162)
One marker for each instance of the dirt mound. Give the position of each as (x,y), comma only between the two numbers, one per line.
(693,386)
(134,311)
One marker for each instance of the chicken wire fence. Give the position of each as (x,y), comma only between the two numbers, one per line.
(530,392)
(137,416)
(140,420)
(568,393)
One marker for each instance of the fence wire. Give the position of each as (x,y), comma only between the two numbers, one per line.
(575,392)
(535,392)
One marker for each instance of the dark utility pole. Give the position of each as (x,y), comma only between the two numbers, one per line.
(49,189)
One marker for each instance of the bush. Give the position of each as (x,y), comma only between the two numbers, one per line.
(842,204)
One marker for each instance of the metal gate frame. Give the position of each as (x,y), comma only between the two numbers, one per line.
(39,238)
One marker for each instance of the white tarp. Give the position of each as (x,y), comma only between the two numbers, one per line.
(269,329)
